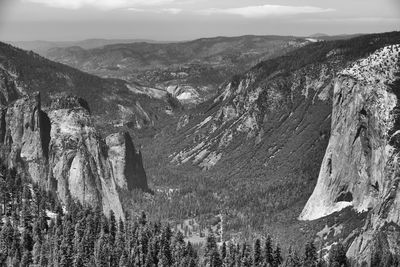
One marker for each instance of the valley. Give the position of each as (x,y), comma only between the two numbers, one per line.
(243,137)
(190,71)
(263,138)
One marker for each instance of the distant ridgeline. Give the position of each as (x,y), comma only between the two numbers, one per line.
(111,101)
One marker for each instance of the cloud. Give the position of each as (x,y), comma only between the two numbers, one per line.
(356,19)
(101,4)
(173,11)
(266,11)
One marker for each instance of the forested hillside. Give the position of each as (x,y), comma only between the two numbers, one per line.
(191,70)
(254,152)
(111,101)
(36,230)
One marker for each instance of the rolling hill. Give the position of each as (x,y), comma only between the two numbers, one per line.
(191,71)
(113,102)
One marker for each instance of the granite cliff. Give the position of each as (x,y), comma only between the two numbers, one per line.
(360,168)
(265,135)
(61,150)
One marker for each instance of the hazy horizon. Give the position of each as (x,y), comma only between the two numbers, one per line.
(179,20)
(183,40)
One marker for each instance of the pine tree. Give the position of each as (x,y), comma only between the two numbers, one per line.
(37,248)
(190,255)
(43,220)
(257,259)
(310,255)
(104,225)
(26,259)
(26,215)
(123,261)
(102,251)
(44,257)
(90,234)
(120,244)
(245,256)
(16,250)
(16,262)
(178,248)
(192,263)
(293,259)
(79,231)
(337,256)
(113,227)
(65,253)
(211,255)
(6,238)
(230,257)
(268,251)
(4,192)
(238,258)
(37,232)
(154,251)
(277,256)
(165,256)
(27,240)
(143,219)
(223,252)
(79,256)
(149,262)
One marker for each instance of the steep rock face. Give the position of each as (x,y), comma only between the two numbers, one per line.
(360,167)
(24,132)
(62,151)
(254,106)
(10,90)
(126,162)
(261,141)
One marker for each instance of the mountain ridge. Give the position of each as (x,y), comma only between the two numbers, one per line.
(263,135)
(113,102)
(192,68)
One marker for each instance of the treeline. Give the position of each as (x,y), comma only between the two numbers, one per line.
(36,230)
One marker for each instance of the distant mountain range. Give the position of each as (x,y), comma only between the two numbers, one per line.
(112,101)
(190,71)
(41,47)
(326,37)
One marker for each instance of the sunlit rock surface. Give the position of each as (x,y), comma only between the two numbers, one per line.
(360,167)
(61,150)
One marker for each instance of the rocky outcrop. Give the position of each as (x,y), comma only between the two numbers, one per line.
(360,167)
(23,127)
(10,90)
(61,150)
(252,105)
(126,162)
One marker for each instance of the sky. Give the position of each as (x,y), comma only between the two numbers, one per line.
(176,20)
